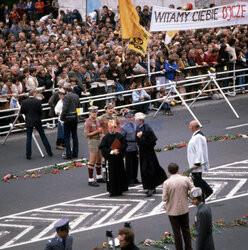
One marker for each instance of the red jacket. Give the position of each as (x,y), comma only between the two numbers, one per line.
(211,59)
(39,7)
(200,59)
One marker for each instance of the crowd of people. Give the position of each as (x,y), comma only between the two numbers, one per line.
(41,48)
(57,58)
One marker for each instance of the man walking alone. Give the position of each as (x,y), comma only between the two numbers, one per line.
(197,153)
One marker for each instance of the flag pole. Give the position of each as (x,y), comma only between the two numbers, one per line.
(85,16)
(148,64)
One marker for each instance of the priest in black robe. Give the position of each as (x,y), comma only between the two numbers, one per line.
(113,146)
(152,173)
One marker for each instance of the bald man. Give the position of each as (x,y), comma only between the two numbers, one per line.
(197,153)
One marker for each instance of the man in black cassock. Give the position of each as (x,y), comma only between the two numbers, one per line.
(152,173)
(113,146)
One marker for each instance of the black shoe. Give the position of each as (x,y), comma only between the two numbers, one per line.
(51,154)
(153,191)
(93,184)
(101,180)
(28,157)
(115,194)
(131,184)
(150,193)
(66,157)
(137,181)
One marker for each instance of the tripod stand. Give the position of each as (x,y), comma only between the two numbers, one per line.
(212,79)
(12,127)
(173,87)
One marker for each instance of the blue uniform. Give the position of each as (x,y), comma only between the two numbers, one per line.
(128,131)
(57,243)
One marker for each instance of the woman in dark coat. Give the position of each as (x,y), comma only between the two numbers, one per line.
(152,173)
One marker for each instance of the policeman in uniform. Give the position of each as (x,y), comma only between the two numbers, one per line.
(128,131)
(62,241)
(203,221)
(92,131)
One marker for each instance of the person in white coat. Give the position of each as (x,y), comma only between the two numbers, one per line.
(197,154)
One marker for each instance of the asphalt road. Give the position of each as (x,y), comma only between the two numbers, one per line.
(29,207)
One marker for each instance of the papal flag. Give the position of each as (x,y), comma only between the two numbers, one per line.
(130,27)
(139,44)
(169,35)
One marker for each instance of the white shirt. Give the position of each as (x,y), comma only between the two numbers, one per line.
(197,152)
(58,108)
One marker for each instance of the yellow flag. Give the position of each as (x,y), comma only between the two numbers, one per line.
(129,17)
(91,102)
(139,44)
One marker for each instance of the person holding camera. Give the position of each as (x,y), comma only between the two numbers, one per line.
(69,117)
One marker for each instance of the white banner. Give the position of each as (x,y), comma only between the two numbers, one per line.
(170,19)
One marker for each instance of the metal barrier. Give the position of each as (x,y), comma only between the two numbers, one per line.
(189,81)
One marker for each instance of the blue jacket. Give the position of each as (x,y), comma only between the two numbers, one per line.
(128,131)
(170,73)
(56,244)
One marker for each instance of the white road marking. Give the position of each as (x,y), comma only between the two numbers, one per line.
(135,209)
(121,205)
(229,164)
(217,187)
(18,237)
(117,222)
(236,188)
(237,126)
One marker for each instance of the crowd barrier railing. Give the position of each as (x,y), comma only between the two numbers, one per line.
(188,82)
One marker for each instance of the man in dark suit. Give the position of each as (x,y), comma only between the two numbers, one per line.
(69,117)
(203,221)
(32,109)
(62,241)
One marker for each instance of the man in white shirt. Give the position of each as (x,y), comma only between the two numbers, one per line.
(197,153)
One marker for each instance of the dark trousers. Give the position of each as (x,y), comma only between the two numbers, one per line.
(142,107)
(199,182)
(43,137)
(132,166)
(181,223)
(70,130)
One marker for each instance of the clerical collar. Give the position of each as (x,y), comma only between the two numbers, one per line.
(196,132)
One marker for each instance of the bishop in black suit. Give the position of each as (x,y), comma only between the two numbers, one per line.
(32,109)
